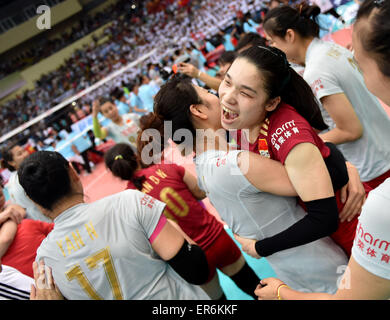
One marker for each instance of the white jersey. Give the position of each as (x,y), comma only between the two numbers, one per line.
(14,285)
(250,213)
(371,248)
(18,196)
(331,69)
(102,251)
(126,133)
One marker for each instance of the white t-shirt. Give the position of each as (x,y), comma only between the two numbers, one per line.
(254,214)
(102,251)
(331,69)
(324,5)
(14,285)
(371,248)
(18,196)
(127,132)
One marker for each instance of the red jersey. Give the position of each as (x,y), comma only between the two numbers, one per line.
(282,131)
(23,250)
(165,183)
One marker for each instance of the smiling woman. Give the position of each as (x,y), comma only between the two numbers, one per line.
(237,182)
(280,111)
(368,275)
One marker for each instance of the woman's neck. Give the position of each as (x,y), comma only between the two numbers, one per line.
(118,121)
(211,140)
(305,43)
(66,204)
(252,134)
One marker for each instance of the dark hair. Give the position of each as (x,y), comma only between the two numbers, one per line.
(117,93)
(227,57)
(123,162)
(44,176)
(375,39)
(104,100)
(7,156)
(281,80)
(301,19)
(173,103)
(250,39)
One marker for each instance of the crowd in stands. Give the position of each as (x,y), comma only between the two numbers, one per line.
(129,39)
(45,46)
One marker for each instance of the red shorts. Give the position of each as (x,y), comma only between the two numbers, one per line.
(378,180)
(345,233)
(221,253)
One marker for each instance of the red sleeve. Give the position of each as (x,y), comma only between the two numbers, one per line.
(180,170)
(289,129)
(174,169)
(46,227)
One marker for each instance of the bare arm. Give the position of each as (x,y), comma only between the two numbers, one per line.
(348,126)
(7,234)
(356,284)
(301,163)
(97,129)
(265,174)
(317,192)
(192,185)
(194,72)
(168,242)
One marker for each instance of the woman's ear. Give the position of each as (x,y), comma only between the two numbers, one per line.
(290,36)
(197,110)
(74,177)
(272,104)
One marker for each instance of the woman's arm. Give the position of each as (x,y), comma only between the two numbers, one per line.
(194,72)
(316,190)
(348,127)
(357,284)
(189,261)
(98,131)
(265,174)
(192,185)
(308,173)
(7,234)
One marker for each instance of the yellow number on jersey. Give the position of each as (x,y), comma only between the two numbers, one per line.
(92,261)
(181,211)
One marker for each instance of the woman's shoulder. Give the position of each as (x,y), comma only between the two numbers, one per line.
(285,113)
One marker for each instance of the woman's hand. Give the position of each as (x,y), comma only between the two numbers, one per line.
(14,212)
(188,69)
(268,289)
(352,194)
(95,108)
(248,246)
(45,287)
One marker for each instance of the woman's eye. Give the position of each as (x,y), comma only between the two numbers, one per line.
(245,94)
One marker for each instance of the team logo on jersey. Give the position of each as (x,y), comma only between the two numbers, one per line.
(263,148)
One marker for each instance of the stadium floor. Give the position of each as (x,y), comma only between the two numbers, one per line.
(102,183)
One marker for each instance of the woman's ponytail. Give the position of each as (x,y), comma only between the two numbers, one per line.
(301,19)
(123,163)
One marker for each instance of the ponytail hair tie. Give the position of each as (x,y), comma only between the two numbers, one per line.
(119,156)
(300,8)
